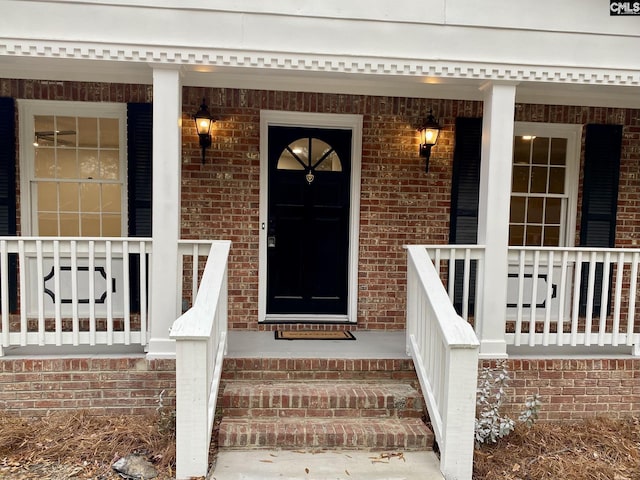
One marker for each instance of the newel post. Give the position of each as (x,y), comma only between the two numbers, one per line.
(456,461)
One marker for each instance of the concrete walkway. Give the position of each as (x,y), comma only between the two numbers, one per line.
(325,465)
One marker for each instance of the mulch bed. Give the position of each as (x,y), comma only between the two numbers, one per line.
(598,449)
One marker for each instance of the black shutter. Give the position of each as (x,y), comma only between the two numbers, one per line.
(8,188)
(139,179)
(599,201)
(465,190)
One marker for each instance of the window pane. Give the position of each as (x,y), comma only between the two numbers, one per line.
(534,210)
(553,211)
(556,180)
(66,131)
(67,163)
(45,163)
(516,235)
(558,151)
(111,225)
(69,201)
(88,161)
(109,164)
(45,127)
(111,200)
(109,133)
(90,225)
(534,236)
(520,179)
(540,151)
(296,156)
(90,197)
(521,150)
(517,209)
(551,236)
(48,224)
(69,225)
(88,132)
(47,197)
(539,179)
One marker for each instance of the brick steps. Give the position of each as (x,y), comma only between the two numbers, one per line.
(316,414)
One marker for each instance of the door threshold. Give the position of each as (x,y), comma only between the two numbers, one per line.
(309,319)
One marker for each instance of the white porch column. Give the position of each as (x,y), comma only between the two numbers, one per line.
(493,214)
(167,112)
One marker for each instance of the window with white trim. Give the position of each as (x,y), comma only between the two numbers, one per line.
(543,187)
(73,168)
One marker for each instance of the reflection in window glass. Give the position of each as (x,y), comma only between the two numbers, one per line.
(78,181)
(309,154)
(538,191)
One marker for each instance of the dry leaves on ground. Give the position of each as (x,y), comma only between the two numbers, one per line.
(79,445)
(598,449)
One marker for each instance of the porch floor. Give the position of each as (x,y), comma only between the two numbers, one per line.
(387,345)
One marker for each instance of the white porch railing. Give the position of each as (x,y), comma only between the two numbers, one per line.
(557,296)
(444,349)
(573,296)
(201,340)
(72,291)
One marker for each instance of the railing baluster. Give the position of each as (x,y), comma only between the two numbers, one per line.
(465,284)
(75,319)
(534,296)
(40,290)
(143,294)
(547,316)
(604,298)
(125,293)
(109,289)
(92,294)
(57,272)
(520,307)
(4,290)
(575,319)
(590,298)
(562,298)
(194,273)
(632,298)
(22,267)
(452,274)
(615,330)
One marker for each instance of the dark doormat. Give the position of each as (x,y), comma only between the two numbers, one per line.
(313,335)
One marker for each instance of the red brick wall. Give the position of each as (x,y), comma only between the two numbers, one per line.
(400,204)
(575,389)
(106,386)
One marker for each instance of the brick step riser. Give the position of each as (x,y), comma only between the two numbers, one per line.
(300,435)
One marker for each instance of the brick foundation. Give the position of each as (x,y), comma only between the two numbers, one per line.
(104,386)
(575,389)
(570,389)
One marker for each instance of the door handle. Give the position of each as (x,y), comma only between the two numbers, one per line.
(271,241)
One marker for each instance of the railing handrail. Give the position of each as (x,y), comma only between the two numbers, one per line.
(29,245)
(574,249)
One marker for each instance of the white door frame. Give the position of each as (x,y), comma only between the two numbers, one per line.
(311,120)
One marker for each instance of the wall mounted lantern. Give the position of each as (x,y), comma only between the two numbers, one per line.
(203,121)
(429,132)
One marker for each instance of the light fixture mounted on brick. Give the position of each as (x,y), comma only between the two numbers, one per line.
(203,121)
(429,132)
